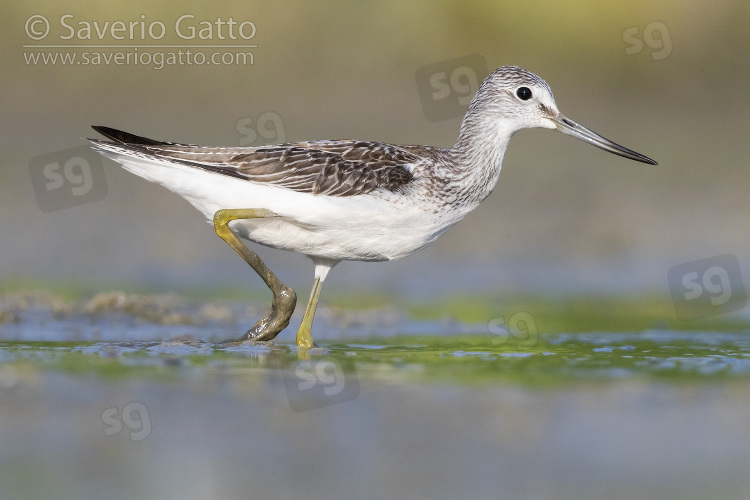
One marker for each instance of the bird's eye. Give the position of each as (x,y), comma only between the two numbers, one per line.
(524,93)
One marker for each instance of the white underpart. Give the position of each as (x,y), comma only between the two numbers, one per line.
(364,227)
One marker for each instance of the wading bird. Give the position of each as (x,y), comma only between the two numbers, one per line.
(335,200)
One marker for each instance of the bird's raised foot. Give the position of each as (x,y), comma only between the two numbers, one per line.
(282,307)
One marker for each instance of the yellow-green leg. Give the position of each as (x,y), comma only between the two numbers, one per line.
(304,334)
(284,298)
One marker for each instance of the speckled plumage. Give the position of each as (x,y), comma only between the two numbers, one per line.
(333,168)
(407,195)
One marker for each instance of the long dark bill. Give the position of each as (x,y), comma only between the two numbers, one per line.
(569,127)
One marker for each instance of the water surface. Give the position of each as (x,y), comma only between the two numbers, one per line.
(122,396)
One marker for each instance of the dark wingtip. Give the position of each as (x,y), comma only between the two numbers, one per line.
(110,133)
(125,137)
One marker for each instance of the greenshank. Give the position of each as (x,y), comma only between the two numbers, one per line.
(335,200)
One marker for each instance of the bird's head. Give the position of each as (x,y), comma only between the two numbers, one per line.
(511,99)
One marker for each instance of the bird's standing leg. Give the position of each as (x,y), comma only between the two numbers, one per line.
(284,298)
(304,334)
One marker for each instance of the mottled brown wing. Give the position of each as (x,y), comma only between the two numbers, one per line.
(334,168)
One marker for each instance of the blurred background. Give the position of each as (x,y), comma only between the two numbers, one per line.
(579,412)
(667,79)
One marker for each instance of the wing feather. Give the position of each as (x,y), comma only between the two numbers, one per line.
(333,168)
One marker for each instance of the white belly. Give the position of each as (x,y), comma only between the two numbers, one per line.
(365,234)
(364,227)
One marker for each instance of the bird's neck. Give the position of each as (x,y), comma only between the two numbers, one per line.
(478,153)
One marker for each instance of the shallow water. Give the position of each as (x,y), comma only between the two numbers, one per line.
(124,400)
(459,359)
